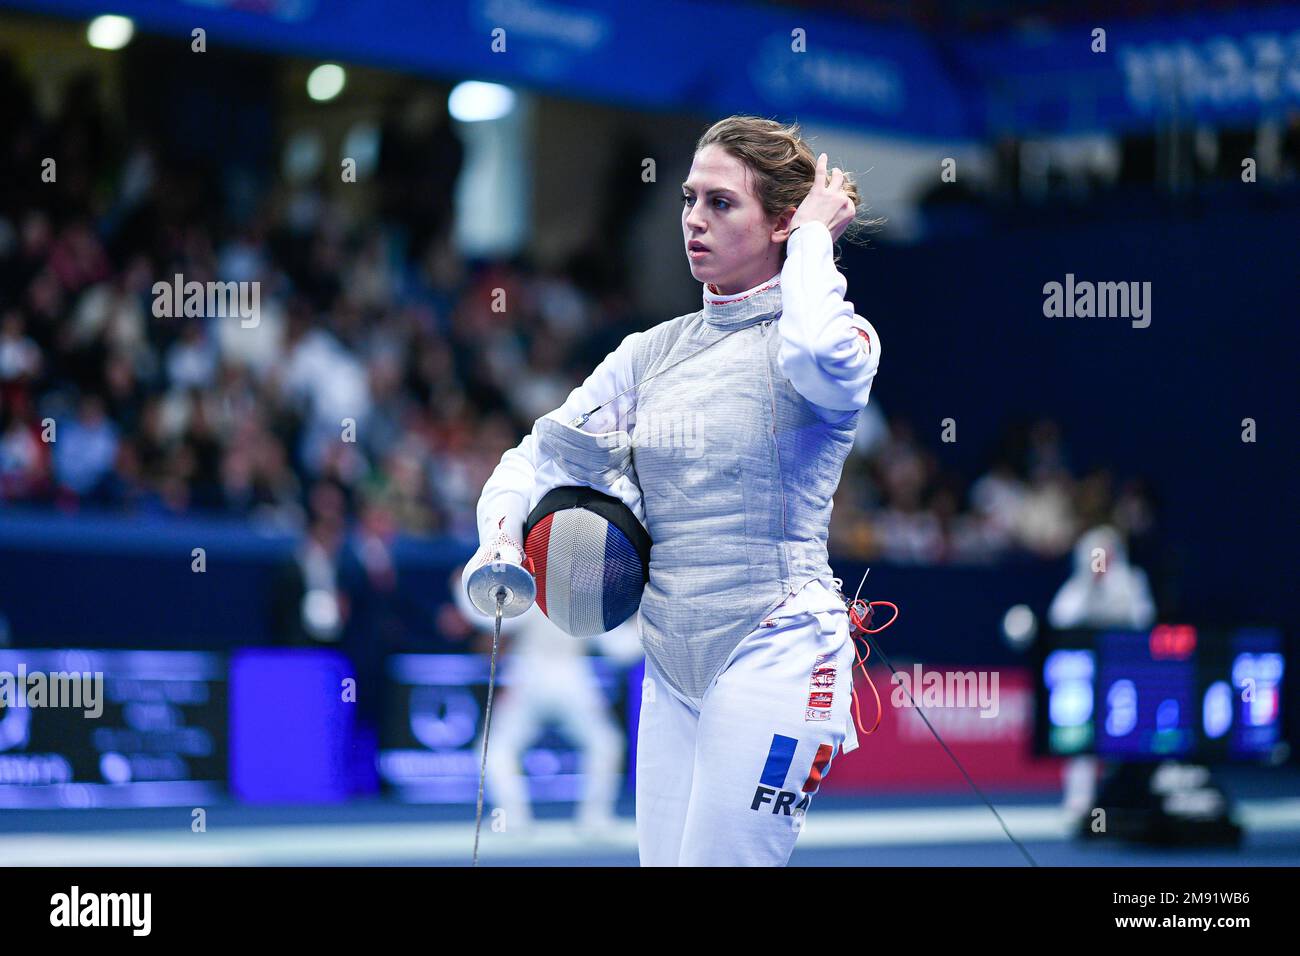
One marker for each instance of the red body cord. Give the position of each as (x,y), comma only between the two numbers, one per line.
(860,614)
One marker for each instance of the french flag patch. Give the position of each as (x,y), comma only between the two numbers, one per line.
(821,764)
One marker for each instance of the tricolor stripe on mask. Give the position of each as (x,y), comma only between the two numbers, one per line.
(589,573)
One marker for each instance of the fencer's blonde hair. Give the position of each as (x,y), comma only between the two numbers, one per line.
(782,164)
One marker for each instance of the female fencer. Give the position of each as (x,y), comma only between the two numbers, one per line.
(726,436)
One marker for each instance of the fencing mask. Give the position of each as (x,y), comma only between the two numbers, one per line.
(591,557)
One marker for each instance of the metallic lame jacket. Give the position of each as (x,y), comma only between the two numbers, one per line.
(736,473)
(731,468)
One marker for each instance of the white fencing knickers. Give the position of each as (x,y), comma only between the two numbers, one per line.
(726,779)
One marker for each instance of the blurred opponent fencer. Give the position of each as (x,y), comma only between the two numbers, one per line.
(1103,590)
(549,680)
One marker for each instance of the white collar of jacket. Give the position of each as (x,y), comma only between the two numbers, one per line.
(743,308)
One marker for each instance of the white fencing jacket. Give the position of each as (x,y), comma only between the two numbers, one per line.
(729,459)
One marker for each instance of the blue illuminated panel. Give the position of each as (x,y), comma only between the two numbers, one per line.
(1145,703)
(154,733)
(1257,672)
(1069,676)
(290,727)
(1173,691)
(429,745)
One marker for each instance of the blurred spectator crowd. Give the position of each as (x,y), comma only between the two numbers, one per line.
(897,501)
(383,374)
(380,365)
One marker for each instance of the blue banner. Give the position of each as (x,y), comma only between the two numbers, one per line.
(706,56)
(784,62)
(1234,67)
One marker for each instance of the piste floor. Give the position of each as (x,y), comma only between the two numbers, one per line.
(897,830)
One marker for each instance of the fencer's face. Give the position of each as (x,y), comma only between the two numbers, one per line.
(730,241)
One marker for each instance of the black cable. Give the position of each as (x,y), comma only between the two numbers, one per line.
(1020,846)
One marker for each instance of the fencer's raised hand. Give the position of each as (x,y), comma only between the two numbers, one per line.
(827,202)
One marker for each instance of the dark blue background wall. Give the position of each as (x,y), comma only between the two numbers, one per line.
(964,336)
